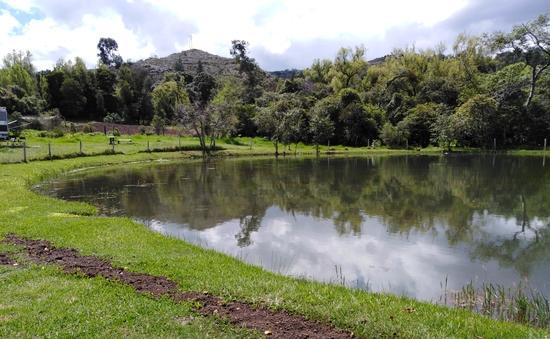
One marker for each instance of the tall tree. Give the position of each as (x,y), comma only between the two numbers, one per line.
(531,41)
(107,52)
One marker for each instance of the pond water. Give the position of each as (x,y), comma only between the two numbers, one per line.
(402,224)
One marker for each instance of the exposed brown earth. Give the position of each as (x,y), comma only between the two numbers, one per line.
(276,324)
(5,259)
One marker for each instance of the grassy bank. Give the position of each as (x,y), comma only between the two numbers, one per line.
(43,301)
(39,146)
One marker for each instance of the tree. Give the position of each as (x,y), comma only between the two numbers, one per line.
(107,53)
(106,85)
(321,127)
(74,101)
(531,41)
(474,121)
(393,136)
(348,69)
(158,124)
(198,115)
(166,97)
(281,120)
(419,123)
(225,107)
(248,67)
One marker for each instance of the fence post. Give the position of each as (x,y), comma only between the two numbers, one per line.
(50,150)
(25,151)
(80,146)
(148,149)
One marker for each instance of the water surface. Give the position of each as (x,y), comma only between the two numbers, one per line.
(398,224)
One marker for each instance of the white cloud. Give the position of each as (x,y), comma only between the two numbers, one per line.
(9,23)
(49,40)
(282,33)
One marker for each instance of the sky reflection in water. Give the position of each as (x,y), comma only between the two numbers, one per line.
(397,224)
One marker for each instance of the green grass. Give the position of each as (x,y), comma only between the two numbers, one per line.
(120,311)
(68,146)
(43,302)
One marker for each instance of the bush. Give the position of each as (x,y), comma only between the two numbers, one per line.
(394,136)
(55,133)
(88,128)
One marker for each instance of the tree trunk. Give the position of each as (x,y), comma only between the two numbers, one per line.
(276,148)
(532,87)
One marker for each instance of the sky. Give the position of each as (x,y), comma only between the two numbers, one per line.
(283,34)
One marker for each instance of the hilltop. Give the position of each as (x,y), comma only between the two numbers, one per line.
(187,62)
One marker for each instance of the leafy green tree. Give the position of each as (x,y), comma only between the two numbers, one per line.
(198,114)
(281,120)
(107,53)
(474,121)
(166,97)
(531,41)
(393,136)
(248,67)
(420,122)
(321,127)
(74,101)
(348,68)
(158,124)
(106,85)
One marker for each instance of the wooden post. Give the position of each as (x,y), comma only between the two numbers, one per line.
(25,151)
(148,149)
(50,150)
(80,146)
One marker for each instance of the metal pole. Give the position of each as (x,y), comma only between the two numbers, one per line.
(25,151)
(50,150)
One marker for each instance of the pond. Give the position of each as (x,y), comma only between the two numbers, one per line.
(409,225)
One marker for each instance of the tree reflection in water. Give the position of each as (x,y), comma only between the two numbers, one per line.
(468,200)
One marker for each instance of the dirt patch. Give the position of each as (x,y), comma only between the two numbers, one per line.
(5,259)
(276,324)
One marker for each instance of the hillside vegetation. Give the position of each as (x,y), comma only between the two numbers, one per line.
(485,91)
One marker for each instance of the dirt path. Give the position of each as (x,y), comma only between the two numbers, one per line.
(276,324)
(5,259)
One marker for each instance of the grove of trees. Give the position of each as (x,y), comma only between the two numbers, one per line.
(490,87)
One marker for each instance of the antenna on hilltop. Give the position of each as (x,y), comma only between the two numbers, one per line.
(190,41)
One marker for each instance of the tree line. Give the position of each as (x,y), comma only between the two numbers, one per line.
(489,87)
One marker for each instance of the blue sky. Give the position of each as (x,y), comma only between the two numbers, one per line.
(282,33)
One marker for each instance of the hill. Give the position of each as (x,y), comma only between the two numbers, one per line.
(187,62)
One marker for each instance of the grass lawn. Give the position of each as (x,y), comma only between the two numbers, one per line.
(42,301)
(68,145)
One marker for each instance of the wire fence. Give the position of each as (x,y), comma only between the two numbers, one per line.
(14,152)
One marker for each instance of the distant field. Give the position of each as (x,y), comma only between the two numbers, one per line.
(69,145)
